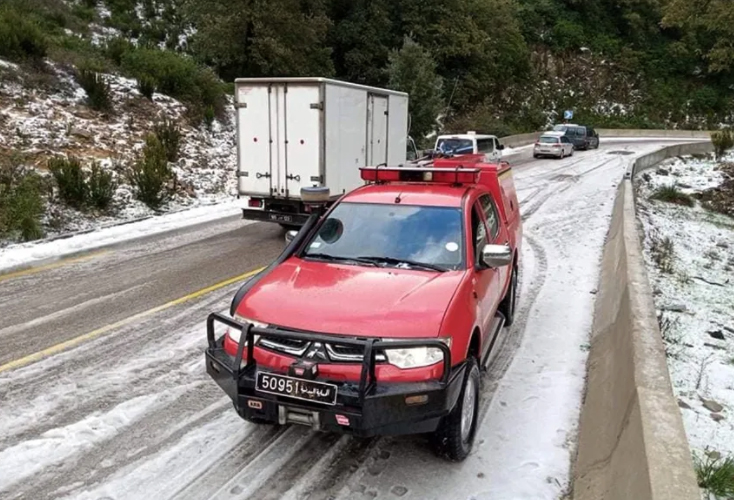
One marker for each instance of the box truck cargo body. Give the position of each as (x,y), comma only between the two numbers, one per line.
(306,132)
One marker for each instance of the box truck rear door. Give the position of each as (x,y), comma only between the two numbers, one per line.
(303,133)
(376,130)
(254,169)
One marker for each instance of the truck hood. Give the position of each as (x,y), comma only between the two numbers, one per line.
(352,300)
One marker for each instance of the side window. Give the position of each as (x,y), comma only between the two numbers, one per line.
(496,143)
(479,234)
(485,145)
(490,214)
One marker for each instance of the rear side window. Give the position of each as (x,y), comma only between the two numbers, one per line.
(490,213)
(580,131)
(485,145)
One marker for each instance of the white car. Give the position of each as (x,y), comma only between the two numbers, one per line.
(553,144)
(470,143)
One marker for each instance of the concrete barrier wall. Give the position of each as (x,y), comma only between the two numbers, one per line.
(632,444)
(518,140)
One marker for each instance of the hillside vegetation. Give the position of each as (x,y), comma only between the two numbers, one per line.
(106,84)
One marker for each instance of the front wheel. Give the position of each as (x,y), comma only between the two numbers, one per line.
(508,304)
(454,437)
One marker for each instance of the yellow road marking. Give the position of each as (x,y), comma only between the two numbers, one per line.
(55,349)
(53,265)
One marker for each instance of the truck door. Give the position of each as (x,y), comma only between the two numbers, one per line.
(255,123)
(377,107)
(302,139)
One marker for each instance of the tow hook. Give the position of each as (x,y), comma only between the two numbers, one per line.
(297,416)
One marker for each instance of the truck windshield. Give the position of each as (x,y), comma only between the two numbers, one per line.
(391,235)
(455,146)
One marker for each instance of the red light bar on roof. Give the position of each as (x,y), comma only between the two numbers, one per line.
(458,175)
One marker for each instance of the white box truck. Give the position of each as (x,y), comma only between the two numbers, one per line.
(309,132)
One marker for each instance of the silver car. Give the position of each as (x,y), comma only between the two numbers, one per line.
(553,144)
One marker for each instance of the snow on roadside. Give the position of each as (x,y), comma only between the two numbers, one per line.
(689,253)
(43,122)
(28,253)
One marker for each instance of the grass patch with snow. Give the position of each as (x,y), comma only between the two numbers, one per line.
(689,251)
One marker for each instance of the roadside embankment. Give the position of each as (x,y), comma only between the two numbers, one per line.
(632,444)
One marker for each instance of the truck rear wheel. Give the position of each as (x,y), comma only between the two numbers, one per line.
(454,437)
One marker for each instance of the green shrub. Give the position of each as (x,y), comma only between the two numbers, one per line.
(169,135)
(209,116)
(21,201)
(150,173)
(176,75)
(70,180)
(20,37)
(723,140)
(146,86)
(117,47)
(671,194)
(100,187)
(97,89)
(716,475)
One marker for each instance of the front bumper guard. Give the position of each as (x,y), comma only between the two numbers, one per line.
(366,408)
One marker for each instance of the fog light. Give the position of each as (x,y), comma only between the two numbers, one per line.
(428,176)
(416,400)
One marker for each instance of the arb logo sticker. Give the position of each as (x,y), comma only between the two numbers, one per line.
(342,420)
(255,404)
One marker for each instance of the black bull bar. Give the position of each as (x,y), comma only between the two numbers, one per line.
(370,347)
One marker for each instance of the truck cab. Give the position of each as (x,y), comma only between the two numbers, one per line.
(470,143)
(381,311)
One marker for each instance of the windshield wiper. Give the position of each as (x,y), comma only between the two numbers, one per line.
(337,258)
(411,263)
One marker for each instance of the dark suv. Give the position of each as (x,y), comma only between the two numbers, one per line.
(581,136)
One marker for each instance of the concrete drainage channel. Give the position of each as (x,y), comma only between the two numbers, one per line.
(632,444)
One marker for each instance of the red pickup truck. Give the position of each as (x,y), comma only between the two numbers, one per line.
(379,314)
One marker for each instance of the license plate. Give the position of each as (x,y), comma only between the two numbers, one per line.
(307,390)
(281,218)
(545,150)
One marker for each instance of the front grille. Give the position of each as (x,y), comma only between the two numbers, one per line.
(289,346)
(337,353)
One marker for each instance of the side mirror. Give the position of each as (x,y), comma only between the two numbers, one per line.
(501,147)
(290,236)
(497,255)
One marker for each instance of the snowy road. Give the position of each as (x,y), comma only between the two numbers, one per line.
(130,413)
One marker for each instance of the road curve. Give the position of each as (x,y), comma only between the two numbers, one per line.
(131,414)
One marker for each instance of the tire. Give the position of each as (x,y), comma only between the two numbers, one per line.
(535,156)
(453,440)
(563,153)
(509,303)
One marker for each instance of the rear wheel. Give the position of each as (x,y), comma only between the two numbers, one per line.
(454,437)
(507,306)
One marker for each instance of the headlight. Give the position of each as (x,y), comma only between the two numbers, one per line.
(235,333)
(415,357)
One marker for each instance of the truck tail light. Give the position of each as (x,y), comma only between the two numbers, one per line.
(255,203)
